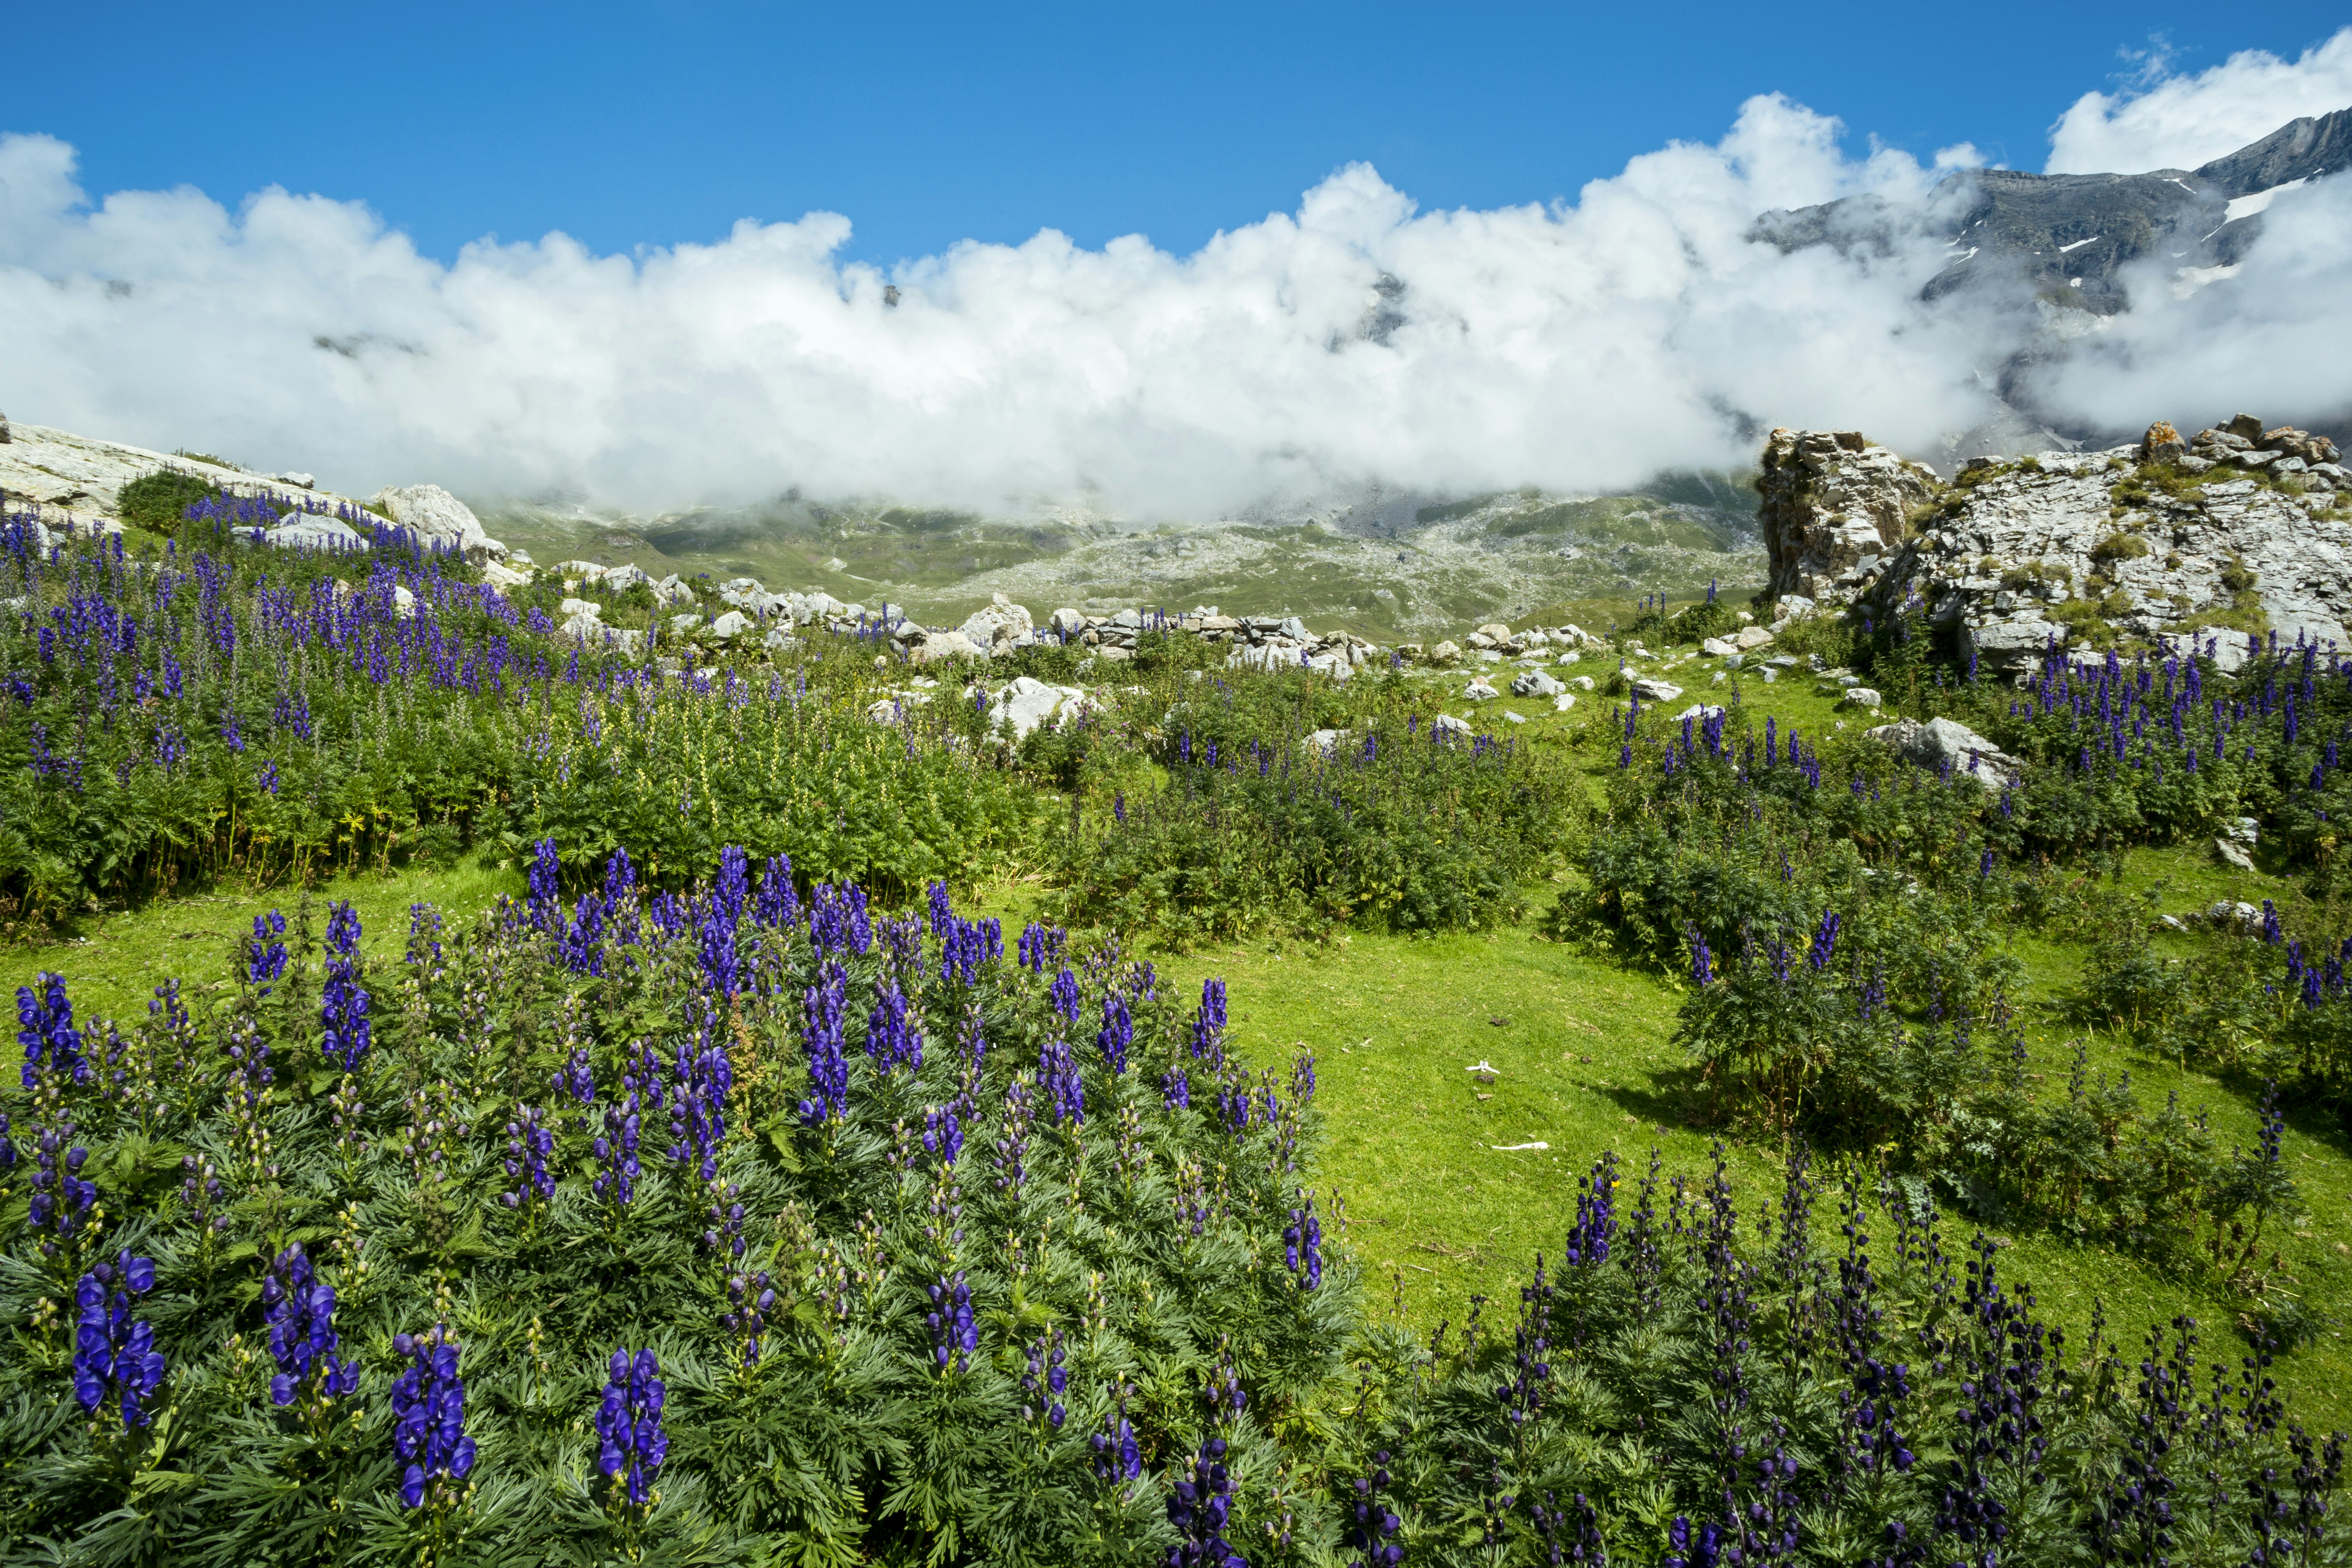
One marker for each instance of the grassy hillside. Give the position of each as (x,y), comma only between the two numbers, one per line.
(1438,1207)
(1447,566)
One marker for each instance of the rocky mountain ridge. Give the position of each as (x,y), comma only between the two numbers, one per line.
(2072,237)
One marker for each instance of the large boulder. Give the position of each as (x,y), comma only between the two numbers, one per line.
(1024,702)
(1536,683)
(1940,741)
(941,646)
(1832,506)
(1000,622)
(436,516)
(309,532)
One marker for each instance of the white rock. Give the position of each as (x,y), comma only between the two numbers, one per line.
(403,602)
(1860,697)
(1581,682)
(436,516)
(1536,683)
(1715,647)
(734,623)
(1563,702)
(1478,692)
(1447,724)
(501,576)
(1024,702)
(304,480)
(309,532)
(1749,638)
(1699,713)
(589,607)
(1652,690)
(1068,622)
(941,646)
(680,625)
(1514,717)
(1002,621)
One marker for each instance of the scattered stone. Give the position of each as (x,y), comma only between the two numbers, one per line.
(1749,638)
(1715,647)
(1652,690)
(1860,697)
(1536,683)
(1447,724)
(731,624)
(2234,854)
(1514,717)
(1444,653)
(1478,691)
(2238,915)
(1699,713)
(1563,702)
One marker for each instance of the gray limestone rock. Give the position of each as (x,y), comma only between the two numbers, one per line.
(1536,683)
(308,532)
(1940,741)
(435,516)
(1828,500)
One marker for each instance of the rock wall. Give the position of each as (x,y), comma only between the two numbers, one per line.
(2235,529)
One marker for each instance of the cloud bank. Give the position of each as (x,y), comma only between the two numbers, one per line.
(2180,121)
(1582,346)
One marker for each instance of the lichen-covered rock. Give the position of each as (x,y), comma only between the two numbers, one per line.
(1833,507)
(2018,555)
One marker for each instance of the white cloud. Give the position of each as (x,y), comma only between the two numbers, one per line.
(1583,345)
(2248,340)
(2174,121)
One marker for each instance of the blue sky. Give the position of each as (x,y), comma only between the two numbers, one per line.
(653,124)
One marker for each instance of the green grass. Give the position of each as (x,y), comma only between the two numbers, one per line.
(1434,1209)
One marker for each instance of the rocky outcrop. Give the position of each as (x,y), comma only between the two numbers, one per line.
(74,484)
(2233,529)
(1833,506)
(435,516)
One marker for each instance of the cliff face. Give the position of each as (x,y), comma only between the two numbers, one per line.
(1832,507)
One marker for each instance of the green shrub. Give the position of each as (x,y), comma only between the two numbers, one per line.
(159,501)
